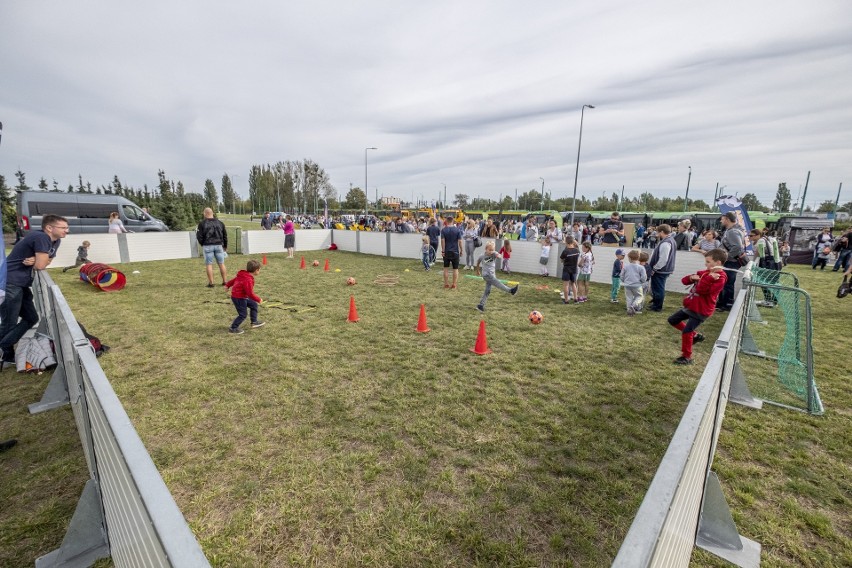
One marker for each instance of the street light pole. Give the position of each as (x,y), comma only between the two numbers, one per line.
(445,195)
(366,199)
(577,169)
(686,198)
(542,194)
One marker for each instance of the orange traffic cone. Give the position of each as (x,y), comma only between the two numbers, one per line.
(264,260)
(353,313)
(481,347)
(302,264)
(421,323)
(326,265)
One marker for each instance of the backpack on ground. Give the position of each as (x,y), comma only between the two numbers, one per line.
(98,347)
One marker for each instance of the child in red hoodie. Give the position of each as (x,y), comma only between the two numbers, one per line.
(700,303)
(243,296)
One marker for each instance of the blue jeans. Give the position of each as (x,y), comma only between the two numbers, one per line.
(18,304)
(726,297)
(658,291)
(843,260)
(241,304)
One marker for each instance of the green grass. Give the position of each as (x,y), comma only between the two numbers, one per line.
(313,441)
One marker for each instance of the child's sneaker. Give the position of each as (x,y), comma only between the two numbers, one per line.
(631,311)
(613,301)
(682,361)
(258,323)
(514,289)
(480,307)
(698,338)
(235,330)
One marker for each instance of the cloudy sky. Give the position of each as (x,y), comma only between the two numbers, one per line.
(483,96)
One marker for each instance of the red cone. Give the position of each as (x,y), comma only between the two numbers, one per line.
(481,347)
(326,265)
(353,313)
(302,264)
(264,260)
(421,323)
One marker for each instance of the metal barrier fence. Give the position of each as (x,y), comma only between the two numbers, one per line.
(125,511)
(684,506)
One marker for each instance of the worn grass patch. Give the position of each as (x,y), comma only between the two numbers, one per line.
(316,442)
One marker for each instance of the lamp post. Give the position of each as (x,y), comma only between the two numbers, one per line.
(445,195)
(542,194)
(686,197)
(365,178)
(577,169)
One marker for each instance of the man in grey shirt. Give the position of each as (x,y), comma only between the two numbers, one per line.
(733,241)
(486,265)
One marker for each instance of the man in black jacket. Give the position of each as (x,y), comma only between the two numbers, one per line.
(213,238)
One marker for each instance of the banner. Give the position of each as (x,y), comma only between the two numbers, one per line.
(728,203)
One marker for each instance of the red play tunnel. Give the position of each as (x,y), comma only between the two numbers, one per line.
(102,276)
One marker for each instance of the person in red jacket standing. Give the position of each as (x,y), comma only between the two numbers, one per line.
(243,296)
(700,303)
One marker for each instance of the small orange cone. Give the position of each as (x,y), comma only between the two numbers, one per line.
(302,264)
(326,265)
(353,313)
(264,260)
(481,347)
(421,323)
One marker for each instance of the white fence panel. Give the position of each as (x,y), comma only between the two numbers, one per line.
(160,246)
(375,243)
(259,242)
(313,239)
(104,249)
(406,245)
(525,255)
(345,240)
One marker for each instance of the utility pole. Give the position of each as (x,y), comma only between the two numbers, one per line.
(802,203)
(686,197)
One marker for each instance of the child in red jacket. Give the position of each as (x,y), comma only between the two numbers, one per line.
(700,303)
(243,296)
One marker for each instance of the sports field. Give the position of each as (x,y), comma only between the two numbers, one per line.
(316,442)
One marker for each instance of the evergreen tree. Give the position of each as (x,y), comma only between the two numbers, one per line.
(783,199)
(229,197)
(167,208)
(7,203)
(22,181)
(211,198)
(42,184)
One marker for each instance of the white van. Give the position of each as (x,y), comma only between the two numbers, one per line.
(86,212)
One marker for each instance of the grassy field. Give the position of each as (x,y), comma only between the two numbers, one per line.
(316,442)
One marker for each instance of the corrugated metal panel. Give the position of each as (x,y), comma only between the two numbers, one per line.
(144,525)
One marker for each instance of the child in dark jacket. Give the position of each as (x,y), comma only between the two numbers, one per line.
(243,296)
(700,303)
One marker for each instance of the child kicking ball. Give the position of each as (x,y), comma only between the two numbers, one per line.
(486,266)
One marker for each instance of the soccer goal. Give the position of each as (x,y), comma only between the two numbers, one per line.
(777,340)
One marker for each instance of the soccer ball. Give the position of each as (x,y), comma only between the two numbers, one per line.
(350,281)
(316,263)
(536,317)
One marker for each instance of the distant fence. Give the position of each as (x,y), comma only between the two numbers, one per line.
(139,247)
(125,510)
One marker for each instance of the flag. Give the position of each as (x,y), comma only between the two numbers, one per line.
(326,222)
(728,203)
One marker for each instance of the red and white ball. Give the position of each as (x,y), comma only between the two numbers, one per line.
(350,281)
(316,263)
(536,317)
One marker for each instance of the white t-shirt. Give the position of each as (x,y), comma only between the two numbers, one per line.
(586,261)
